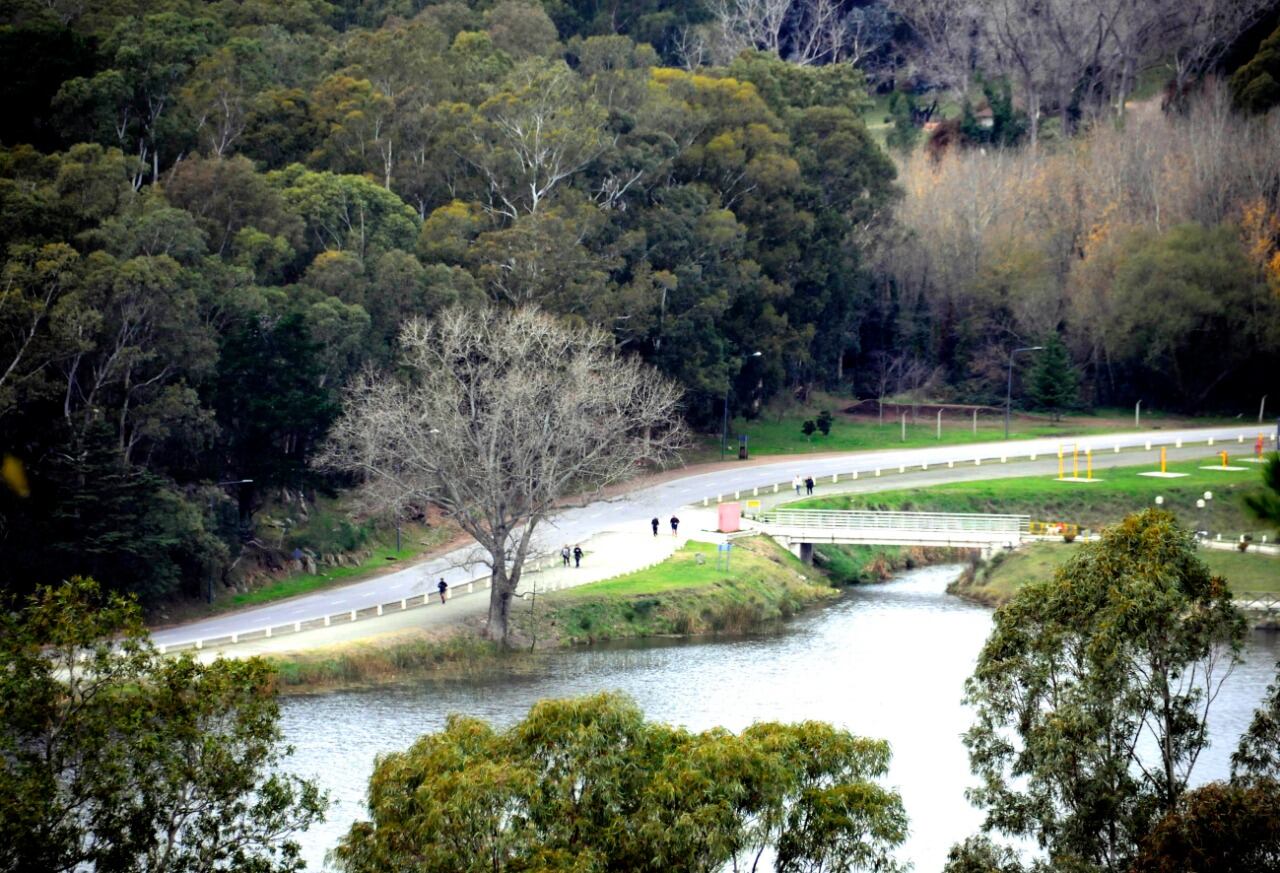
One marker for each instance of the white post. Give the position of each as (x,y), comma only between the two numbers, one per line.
(353,615)
(268,631)
(235,638)
(379,609)
(297,627)
(939,424)
(326,621)
(975,419)
(1137,414)
(404,604)
(904,427)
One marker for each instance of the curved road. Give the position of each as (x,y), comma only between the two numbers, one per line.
(580,523)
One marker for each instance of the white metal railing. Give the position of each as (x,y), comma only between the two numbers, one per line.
(929,522)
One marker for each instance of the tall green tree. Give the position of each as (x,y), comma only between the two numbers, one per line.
(588,784)
(115,758)
(1054,382)
(1092,692)
(1265,503)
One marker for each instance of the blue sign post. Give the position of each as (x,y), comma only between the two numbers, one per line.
(723,550)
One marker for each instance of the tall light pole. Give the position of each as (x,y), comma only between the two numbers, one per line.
(213,519)
(1008,395)
(724,426)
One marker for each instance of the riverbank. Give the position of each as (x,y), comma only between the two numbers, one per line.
(992,583)
(685,596)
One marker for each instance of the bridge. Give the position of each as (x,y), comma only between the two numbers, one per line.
(799,529)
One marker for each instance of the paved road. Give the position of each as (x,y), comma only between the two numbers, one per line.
(579,524)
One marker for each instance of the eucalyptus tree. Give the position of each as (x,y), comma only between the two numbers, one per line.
(496,417)
(116,758)
(588,784)
(1092,694)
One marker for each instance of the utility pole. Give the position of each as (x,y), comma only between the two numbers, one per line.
(1008,395)
(1137,414)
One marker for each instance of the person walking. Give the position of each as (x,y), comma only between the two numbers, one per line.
(796,483)
(442,586)
(675,523)
(808,485)
(564,555)
(577,556)
(654,524)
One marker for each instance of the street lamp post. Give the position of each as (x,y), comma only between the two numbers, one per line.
(1008,396)
(1205,504)
(213,519)
(724,426)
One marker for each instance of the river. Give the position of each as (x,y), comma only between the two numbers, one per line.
(885,661)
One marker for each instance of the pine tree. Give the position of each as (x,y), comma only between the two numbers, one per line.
(1054,383)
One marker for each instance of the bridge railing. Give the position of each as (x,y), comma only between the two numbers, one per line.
(933,522)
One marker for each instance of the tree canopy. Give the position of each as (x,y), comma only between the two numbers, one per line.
(117,758)
(588,784)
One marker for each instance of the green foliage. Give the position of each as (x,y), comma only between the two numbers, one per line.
(1258,754)
(824,421)
(808,428)
(1265,505)
(905,133)
(1217,828)
(1255,87)
(589,784)
(1054,383)
(1091,693)
(115,758)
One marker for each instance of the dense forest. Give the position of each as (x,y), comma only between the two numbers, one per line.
(213,214)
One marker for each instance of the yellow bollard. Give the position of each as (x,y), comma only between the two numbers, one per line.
(1088,456)
(1224,459)
(1075,462)
(1162,459)
(1060,472)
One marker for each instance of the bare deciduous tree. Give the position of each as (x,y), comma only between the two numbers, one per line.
(497,417)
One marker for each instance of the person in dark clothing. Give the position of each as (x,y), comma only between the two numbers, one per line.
(577,556)
(442,586)
(654,523)
(675,523)
(808,485)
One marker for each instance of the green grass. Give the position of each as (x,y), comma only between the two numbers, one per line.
(778,431)
(414,541)
(681,597)
(1120,492)
(1000,578)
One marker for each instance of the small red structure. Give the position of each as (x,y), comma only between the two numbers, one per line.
(730,517)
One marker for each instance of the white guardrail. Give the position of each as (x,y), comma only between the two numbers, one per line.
(532,566)
(1098,447)
(925,522)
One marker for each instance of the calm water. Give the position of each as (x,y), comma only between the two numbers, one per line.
(886,661)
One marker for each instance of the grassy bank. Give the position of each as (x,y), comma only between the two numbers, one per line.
(455,652)
(1119,492)
(680,597)
(997,580)
(380,557)
(860,565)
(779,430)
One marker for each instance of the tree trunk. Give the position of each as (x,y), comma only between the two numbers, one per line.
(500,592)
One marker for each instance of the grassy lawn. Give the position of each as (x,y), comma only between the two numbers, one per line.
(996,583)
(1119,492)
(681,597)
(778,431)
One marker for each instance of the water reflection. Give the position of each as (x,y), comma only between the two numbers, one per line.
(886,661)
